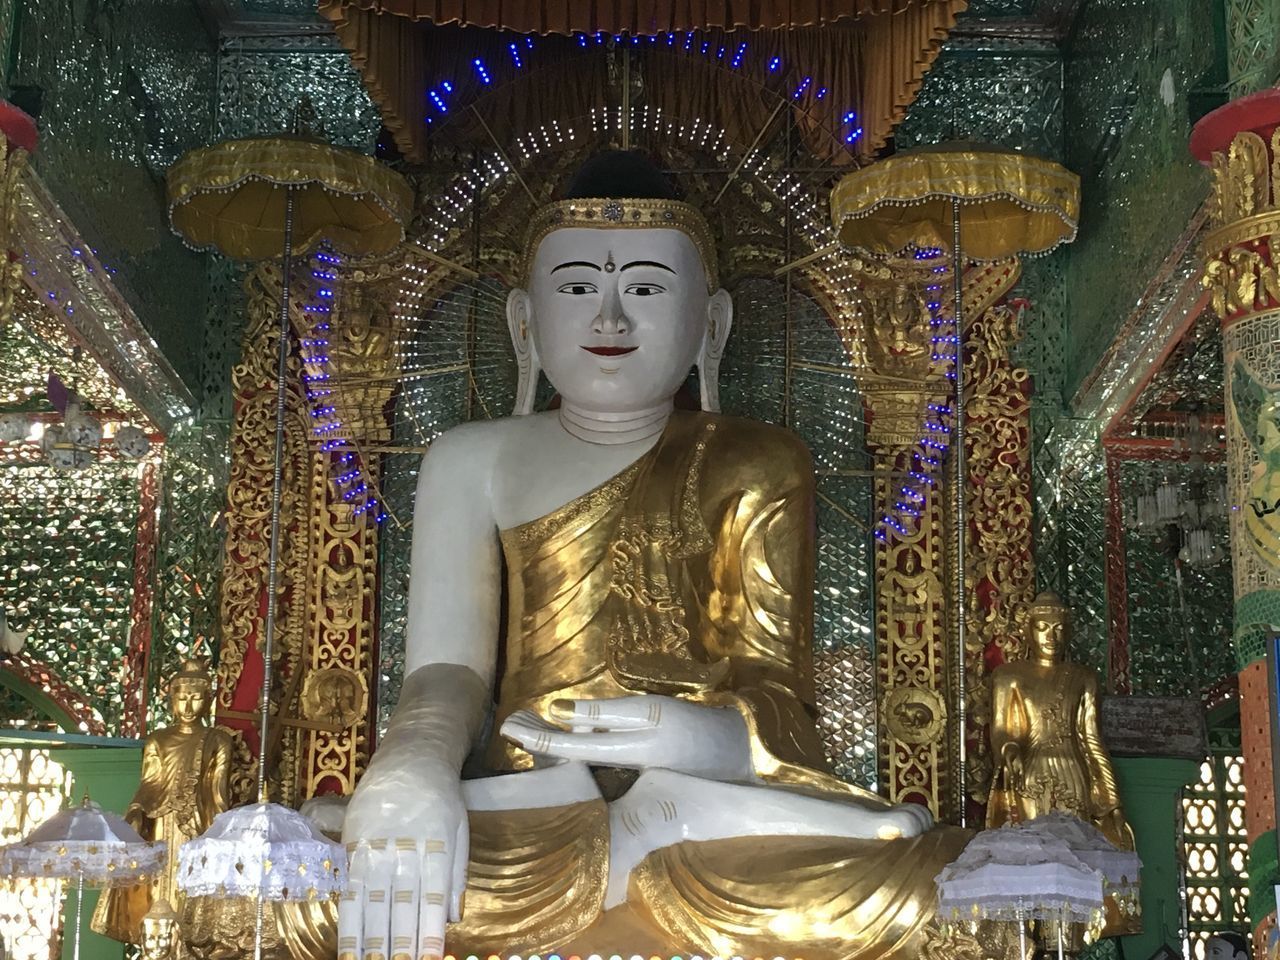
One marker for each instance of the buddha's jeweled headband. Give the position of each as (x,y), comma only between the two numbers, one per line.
(622,213)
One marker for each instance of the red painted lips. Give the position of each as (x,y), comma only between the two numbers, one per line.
(609,351)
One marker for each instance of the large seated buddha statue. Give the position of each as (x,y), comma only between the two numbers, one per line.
(646,714)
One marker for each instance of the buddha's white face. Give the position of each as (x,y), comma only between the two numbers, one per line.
(618,316)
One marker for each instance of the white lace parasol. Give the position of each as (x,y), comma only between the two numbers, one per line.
(263,851)
(1119,868)
(1015,873)
(84,842)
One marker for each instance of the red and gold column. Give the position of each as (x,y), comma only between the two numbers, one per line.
(905,388)
(341,379)
(1241,144)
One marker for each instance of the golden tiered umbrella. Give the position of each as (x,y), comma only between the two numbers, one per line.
(251,200)
(1010,204)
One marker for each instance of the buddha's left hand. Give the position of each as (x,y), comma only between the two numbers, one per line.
(640,732)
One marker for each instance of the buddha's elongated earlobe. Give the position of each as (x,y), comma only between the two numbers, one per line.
(719,320)
(519,313)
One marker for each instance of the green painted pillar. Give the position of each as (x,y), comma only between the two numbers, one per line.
(1150,788)
(110,776)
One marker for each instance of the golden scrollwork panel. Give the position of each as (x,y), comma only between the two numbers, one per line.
(999,570)
(248,513)
(915,588)
(361,372)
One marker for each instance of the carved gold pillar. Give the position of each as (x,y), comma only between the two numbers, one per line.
(353,365)
(1000,567)
(905,388)
(247,518)
(1241,142)
(341,377)
(900,383)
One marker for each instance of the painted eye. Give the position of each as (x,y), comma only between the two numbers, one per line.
(644,289)
(577,289)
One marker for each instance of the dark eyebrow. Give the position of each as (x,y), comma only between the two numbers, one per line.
(575,263)
(648,263)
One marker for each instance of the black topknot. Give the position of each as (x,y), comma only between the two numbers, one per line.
(620,175)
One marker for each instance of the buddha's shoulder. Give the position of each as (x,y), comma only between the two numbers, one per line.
(742,452)
(479,442)
(755,439)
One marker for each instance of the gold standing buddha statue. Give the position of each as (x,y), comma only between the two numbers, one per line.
(186,770)
(1045,740)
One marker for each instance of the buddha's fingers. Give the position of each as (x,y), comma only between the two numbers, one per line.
(620,713)
(377,901)
(461,861)
(404,899)
(351,908)
(626,748)
(432,916)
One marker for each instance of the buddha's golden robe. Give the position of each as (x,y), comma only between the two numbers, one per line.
(689,574)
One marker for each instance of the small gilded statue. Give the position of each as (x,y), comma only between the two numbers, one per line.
(1044,733)
(186,770)
(161,937)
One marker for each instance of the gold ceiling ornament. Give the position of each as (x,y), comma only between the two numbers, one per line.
(1009,204)
(231,197)
(1012,204)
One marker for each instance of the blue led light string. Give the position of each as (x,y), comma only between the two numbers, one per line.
(327,427)
(442,100)
(929,451)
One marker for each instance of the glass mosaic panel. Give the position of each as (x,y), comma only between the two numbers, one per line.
(1011,96)
(979,9)
(66,571)
(122,90)
(1130,68)
(262,80)
(1179,617)
(1253,59)
(189,559)
(1072,561)
(33,788)
(1215,851)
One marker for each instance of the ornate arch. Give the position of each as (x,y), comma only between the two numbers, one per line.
(50,695)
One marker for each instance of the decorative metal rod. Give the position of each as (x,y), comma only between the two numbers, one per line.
(79,905)
(273,555)
(750,150)
(807,259)
(502,155)
(961,520)
(435,258)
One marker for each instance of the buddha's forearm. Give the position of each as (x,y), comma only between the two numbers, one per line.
(441,709)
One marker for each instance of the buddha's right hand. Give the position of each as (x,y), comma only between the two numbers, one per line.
(407,837)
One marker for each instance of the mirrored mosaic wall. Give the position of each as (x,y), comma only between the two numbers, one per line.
(1179,615)
(66,571)
(121,90)
(1131,69)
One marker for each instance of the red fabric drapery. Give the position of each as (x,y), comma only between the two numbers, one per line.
(865,57)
